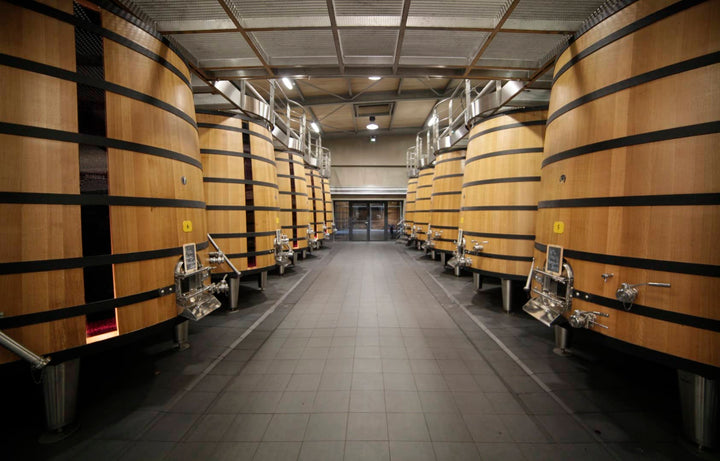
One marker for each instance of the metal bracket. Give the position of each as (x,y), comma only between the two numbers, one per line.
(554,296)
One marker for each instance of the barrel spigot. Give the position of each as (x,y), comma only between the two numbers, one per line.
(586,319)
(627,292)
(479,246)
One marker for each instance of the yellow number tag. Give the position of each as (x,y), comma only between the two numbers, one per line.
(187,226)
(558,227)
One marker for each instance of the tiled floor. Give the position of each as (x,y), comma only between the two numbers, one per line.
(368,359)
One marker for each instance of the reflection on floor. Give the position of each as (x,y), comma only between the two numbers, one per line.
(366,358)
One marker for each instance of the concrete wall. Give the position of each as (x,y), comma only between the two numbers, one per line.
(369,168)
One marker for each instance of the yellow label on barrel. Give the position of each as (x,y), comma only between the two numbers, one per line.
(277,220)
(462,220)
(558,227)
(187,226)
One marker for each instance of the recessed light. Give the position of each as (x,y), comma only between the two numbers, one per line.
(374,78)
(373,139)
(372,125)
(315,127)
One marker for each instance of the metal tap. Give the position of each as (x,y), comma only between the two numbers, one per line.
(586,319)
(627,293)
(478,246)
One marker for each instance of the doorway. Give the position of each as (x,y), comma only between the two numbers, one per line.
(364,221)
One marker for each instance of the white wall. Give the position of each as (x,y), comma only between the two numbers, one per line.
(369,168)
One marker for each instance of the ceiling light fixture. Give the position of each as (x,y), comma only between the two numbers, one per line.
(373,139)
(315,127)
(288,83)
(372,125)
(374,78)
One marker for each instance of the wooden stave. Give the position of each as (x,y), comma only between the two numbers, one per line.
(284,160)
(221,149)
(512,142)
(679,322)
(410,205)
(449,163)
(63,325)
(329,213)
(316,198)
(422,202)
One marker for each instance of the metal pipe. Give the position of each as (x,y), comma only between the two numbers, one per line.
(23,352)
(227,260)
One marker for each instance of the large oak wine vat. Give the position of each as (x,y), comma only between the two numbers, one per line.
(294,203)
(445,198)
(101,180)
(422,202)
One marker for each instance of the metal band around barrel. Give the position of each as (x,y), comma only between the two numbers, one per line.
(499,256)
(502,181)
(673,69)
(527,150)
(500,208)
(706,270)
(289,176)
(625,31)
(445,160)
(79,138)
(87,261)
(652,312)
(70,19)
(454,192)
(445,176)
(240,181)
(240,208)
(500,236)
(25,198)
(479,119)
(231,153)
(217,126)
(35,318)
(508,127)
(56,72)
(243,235)
(699,129)
(635,200)
(243,117)
(287,192)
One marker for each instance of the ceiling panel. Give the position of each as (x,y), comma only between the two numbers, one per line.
(441,44)
(457,8)
(424,84)
(217,46)
(528,47)
(278,8)
(336,118)
(363,84)
(294,43)
(368,7)
(411,113)
(181,10)
(368,42)
(323,86)
(552,14)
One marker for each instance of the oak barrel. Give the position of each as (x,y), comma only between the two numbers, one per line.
(410,205)
(500,191)
(316,197)
(631,175)
(241,190)
(329,214)
(101,180)
(294,203)
(445,198)
(422,202)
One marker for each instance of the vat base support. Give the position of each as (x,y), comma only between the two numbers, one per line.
(262,280)
(442,258)
(182,335)
(295,258)
(506,287)
(700,407)
(234,293)
(562,341)
(477,280)
(60,387)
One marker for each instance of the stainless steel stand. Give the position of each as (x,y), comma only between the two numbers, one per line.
(506,287)
(262,281)
(60,387)
(442,258)
(562,339)
(182,335)
(295,258)
(477,280)
(700,407)
(234,292)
